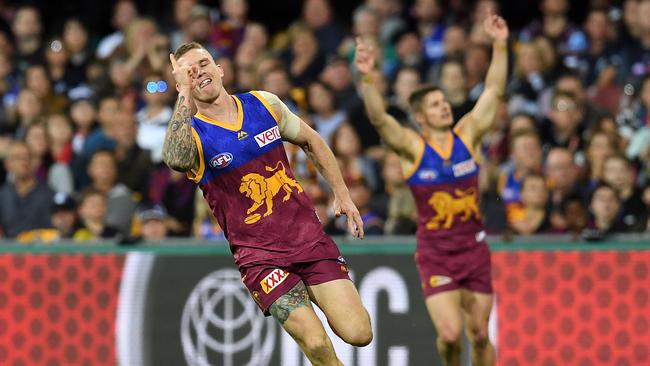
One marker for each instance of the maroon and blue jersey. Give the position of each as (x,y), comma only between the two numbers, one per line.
(445,186)
(245,177)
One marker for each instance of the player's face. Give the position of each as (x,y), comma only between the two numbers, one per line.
(209,83)
(435,112)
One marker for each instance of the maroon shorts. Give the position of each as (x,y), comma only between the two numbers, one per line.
(267,282)
(445,271)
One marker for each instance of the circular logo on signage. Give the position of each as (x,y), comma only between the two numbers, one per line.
(222,325)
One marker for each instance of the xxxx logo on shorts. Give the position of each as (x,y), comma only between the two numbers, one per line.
(439,280)
(273,279)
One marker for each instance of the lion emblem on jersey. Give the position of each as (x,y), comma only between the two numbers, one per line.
(261,190)
(448,206)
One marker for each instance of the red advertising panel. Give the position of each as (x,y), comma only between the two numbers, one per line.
(573,307)
(58,309)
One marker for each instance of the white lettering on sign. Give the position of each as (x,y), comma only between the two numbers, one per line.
(268,136)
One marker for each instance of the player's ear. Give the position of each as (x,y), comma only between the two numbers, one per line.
(419,118)
(220,69)
(178,89)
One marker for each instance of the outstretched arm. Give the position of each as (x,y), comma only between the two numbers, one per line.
(399,138)
(479,120)
(179,149)
(296,131)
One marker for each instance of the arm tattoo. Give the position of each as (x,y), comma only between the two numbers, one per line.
(295,298)
(179,149)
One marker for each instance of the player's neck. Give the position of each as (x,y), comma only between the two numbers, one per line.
(438,136)
(224,108)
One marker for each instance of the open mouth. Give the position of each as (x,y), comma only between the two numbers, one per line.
(205,83)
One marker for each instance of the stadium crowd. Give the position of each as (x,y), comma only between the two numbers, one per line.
(83,115)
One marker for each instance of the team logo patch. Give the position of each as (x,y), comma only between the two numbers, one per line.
(221,161)
(268,136)
(435,280)
(242,134)
(447,207)
(272,280)
(256,296)
(261,190)
(464,168)
(428,174)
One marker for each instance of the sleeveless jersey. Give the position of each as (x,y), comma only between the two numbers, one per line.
(245,177)
(445,187)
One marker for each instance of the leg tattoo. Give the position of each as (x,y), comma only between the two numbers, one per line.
(295,298)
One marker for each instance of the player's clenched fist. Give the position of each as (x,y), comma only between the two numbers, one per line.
(185,76)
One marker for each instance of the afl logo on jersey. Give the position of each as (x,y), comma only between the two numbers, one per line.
(221,161)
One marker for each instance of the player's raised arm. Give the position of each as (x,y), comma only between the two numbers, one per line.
(396,136)
(296,131)
(179,149)
(479,120)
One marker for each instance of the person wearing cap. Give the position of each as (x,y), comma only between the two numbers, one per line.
(152,221)
(64,215)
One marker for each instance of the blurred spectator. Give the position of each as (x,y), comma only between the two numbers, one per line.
(532,217)
(148,50)
(93,224)
(326,117)
(619,174)
(229,78)
(205,225)
(562,129)
(152,224)
(27,30)
(124,12)
(590,112)
(635,115)
(593,62)
(102,138)
(120,206)
(482,10)
(38,81)
(526,157)
(326,216)
(399,205)
(59,137)
(430,23)
(57,176)
(605,209)
(175,193)
(229,32)
(24,201)
(303,58)
(338,76)
(601,146)
(277,81)
(391,21)
(477,61)
(360,194)
(555,24)
(406,81)
(64,215)
(154,116)
(62,76)
(75,41)
(529,80)
(317,15)
(409,52)
(30,111)
(182,19)
(576,216)
(199,28)
(346,146)
(452,82)
(562,181)
(455,41)
(134,164)
(9,89)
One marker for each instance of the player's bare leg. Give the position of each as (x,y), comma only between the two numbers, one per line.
(478,307)
(294,312)
(446,313)
(342,306)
